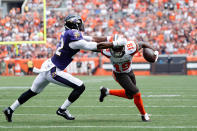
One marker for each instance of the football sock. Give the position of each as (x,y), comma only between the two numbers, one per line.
(139,103)
(66,104)
(120,93)
(107,92)
(75,94)
(15,105)
(26,96)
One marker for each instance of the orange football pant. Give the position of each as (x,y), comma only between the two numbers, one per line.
(137,99)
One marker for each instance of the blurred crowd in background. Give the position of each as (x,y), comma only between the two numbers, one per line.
(169,25)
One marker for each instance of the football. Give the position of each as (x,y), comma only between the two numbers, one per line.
(149,55)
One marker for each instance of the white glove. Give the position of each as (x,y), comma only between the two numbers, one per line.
(120,42)
(157,54)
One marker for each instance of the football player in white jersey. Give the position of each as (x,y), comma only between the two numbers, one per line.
(121,59)
(71,41)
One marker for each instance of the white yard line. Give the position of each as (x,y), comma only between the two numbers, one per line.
(101,80)
(13,87)
(108,106)
(160,95)
(147,96)
(151,127)
(95,95)
(173,100)
(156,95)
(169,115)
(112,100)
(97,88)
(181,96)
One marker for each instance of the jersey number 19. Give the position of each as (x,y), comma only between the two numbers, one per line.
(124,66)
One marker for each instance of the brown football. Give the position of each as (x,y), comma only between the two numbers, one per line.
(149,55)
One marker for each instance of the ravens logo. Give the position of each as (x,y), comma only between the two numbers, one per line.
(76,34)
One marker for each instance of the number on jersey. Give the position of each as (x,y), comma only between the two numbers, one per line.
(60,46)
(130,46)
(123,66)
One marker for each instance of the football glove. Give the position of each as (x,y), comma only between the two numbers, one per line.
(119,42)
(157,54)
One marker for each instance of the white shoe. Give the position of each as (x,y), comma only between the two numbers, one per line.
(65,113)
(146,117)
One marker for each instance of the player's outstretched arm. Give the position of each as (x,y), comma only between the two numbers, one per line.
(100,39)
(85,45)
(97,38)
(119,42)
(103,45)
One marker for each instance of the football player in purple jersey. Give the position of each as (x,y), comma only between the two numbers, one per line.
(71,41)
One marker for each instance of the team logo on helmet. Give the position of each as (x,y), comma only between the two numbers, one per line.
(73,22)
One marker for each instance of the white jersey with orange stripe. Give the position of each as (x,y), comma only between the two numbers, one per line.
(122,64)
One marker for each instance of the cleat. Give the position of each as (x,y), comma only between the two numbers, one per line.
(146,118)
(65,114)
(8,114)
(103,91)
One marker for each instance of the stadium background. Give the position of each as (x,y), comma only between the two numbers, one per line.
(169,25)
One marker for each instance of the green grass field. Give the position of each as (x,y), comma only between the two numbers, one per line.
(171,101)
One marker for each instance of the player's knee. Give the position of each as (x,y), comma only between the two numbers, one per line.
(131,93)
(136,97)
(76,93)
(36,89)
(82,88)
(136,91)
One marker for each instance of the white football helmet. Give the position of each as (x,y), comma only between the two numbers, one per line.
(117,51)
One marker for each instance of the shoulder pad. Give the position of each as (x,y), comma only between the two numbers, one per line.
(74,35)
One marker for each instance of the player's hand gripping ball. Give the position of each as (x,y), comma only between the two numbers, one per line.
(150,55)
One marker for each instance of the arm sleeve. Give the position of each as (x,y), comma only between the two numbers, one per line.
(82,44)
(87,38)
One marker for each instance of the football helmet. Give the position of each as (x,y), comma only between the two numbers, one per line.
(117,51)
(73,22)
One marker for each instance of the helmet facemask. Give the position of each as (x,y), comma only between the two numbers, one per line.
(117,52)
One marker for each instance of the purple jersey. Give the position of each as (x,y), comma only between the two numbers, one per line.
(63,56)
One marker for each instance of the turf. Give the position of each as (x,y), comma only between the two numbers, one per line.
(172,101)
